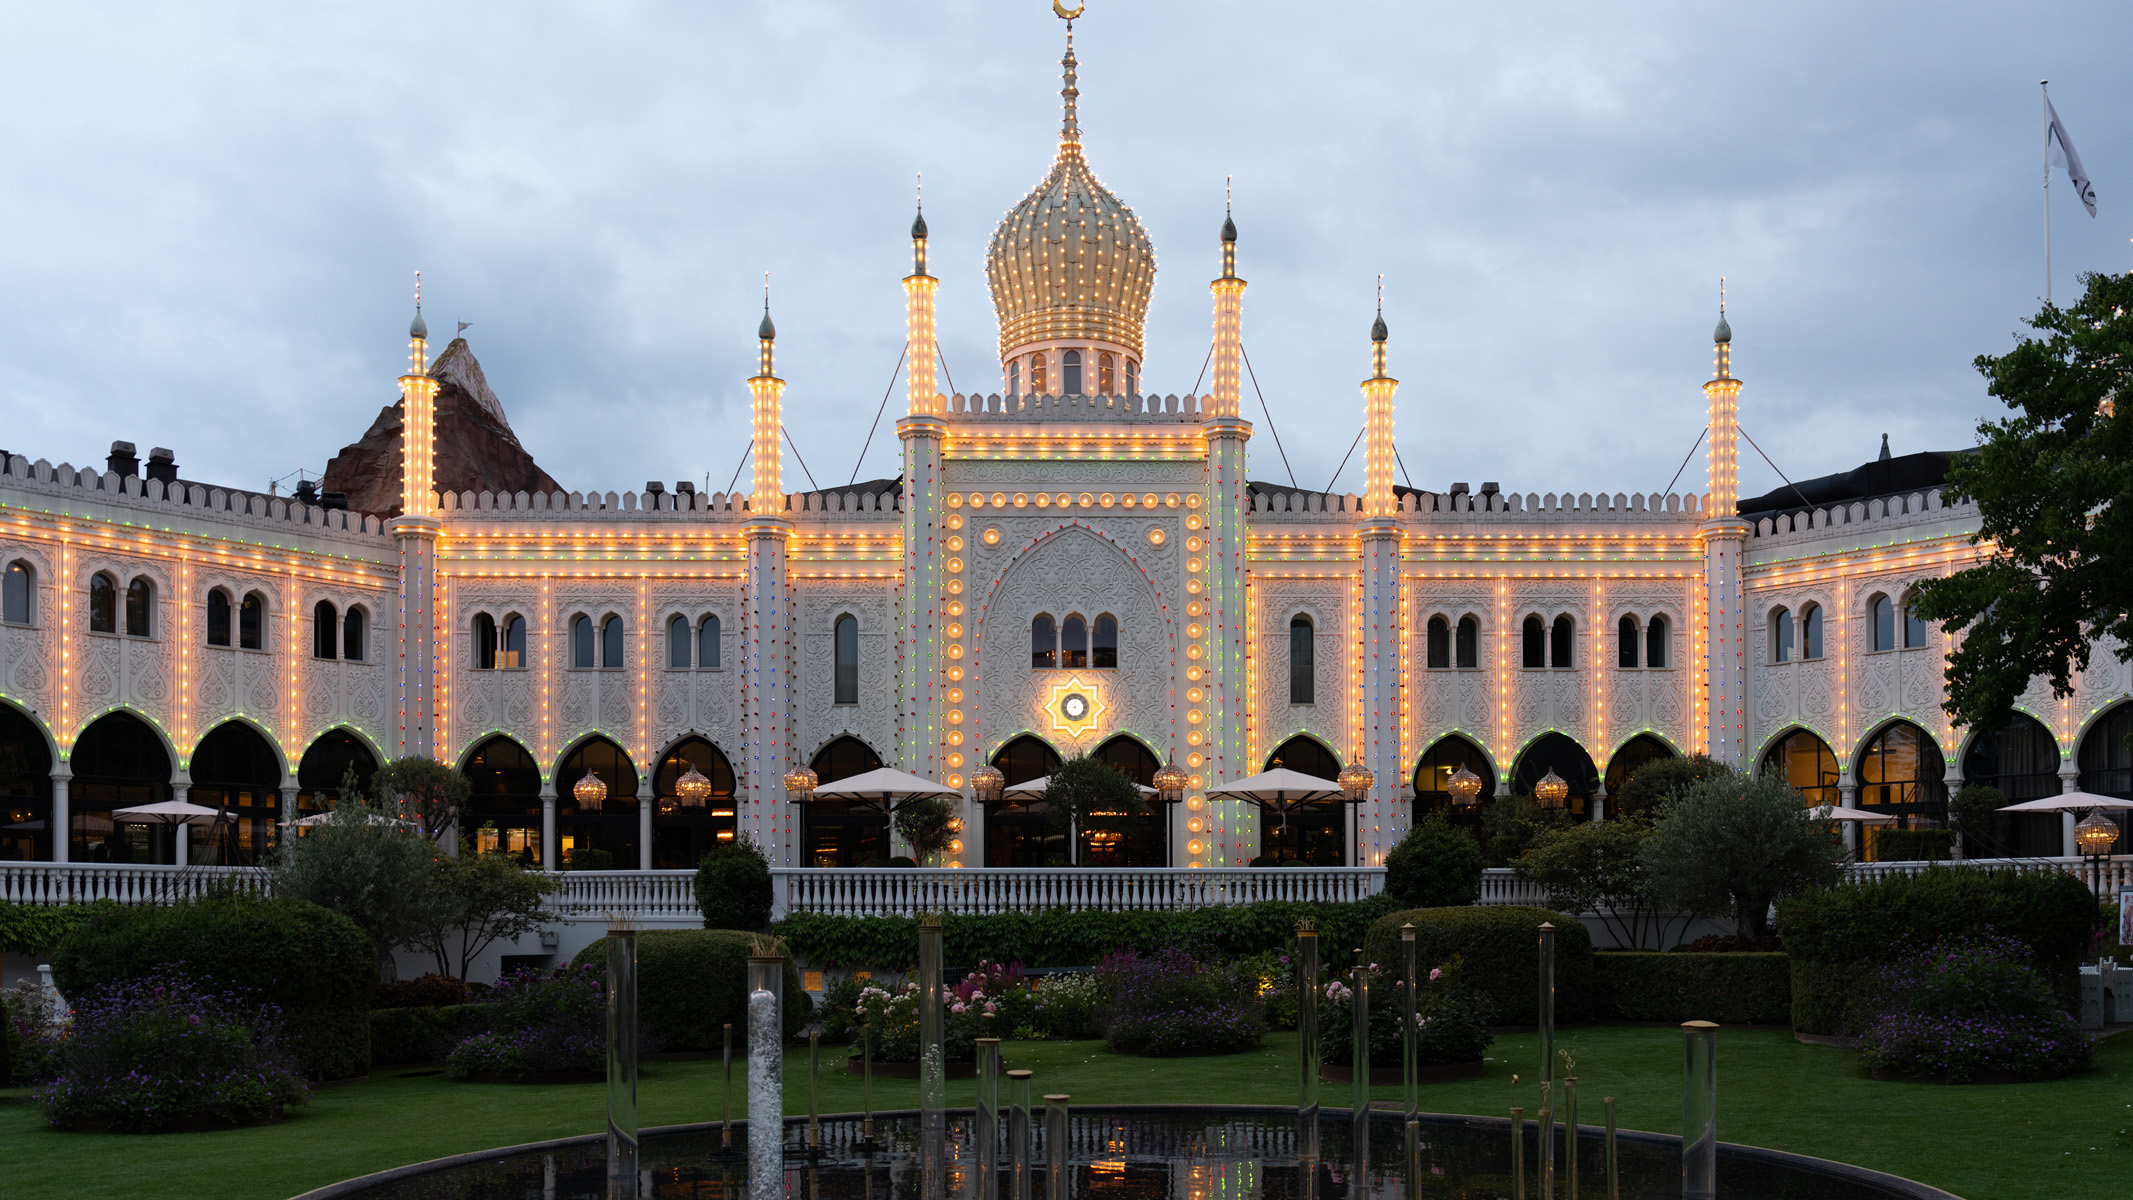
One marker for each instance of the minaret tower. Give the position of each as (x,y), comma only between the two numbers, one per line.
(1381,819)
(416,530)
(1220,689)
(767,659)
(926,606)
(1725,689)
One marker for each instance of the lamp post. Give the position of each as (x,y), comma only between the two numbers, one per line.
(1355,780)
(1171,782)
(986,784)
(2094,837)
(800,784)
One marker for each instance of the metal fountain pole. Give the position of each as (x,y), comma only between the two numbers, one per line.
(621,1059)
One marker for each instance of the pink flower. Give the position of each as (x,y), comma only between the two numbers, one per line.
(1436,973)
(958,1008)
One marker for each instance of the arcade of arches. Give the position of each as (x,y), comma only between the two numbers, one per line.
(1019,832)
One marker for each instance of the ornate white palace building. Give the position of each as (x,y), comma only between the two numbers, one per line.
(1068,566)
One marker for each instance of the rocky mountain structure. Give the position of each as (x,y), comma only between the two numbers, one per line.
(476,450)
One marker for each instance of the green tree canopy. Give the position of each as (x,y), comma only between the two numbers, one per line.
(1732,845)
(423,790)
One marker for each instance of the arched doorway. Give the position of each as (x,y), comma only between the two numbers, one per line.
(504,803)
(1314,834)
(2106,762)
(1804,761)
(2021,759)
(609,831)
(1636,752)
(844,833)
(236,771)
(1902,774)
(325,764)
(681,834)
(118,762)
(1144,841)
(1558,753)
(1433,778)
(1015,828)
(25,789)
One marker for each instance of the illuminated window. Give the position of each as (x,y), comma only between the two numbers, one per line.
(1884,611)
(252,622)
(1469,644)
(1626,654)
(1811,631)
(1804,761)
(1559,644)
(1781,636)
(1103,648)
(1106,374)
(707,649)
(355,631)
(1073,642)
(218,618)
(140,607)
(1303,660)
(1070,369)
(1655,642)
(1915,627)
(581,642)
(484,642)
(1440,643)
(1014,376)
(1043,643)
(514,644)
(325,630)
(1133,378)
(103,604)
(1036,374)
(19,594)
(611,652)
(847,660)
(678,643)
(1536,643)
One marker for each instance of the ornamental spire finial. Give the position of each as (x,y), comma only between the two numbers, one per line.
(1070,126)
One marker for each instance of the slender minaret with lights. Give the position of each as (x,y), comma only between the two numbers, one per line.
(1382,818)
(1724,537)
(926,606)
(415,530)
(1233,839)
(767,660)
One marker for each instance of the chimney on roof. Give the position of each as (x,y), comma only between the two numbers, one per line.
(163,465)
(122,460)
(1460,489)
(686,487)
(307,491)
(1490,488)
(655,487)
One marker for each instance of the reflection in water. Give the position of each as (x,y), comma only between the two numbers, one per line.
(1202,1154)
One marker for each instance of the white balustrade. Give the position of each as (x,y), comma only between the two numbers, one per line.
(642,895)
(127,883)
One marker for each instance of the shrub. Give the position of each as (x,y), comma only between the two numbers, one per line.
(1970,1005)
(29,1029)
(1731,989)
(733,887)
(478,900)
(1452,1020)
(1090,795)
(1655,784)
(1068,1006)
(1977,816)
(367,867)
(588,858)
(1006,992)
(1434,866)
(34,929)
(429,991)
(893,1018)
(399,1036)
(316,966)
(1732,844)
(1914,845)
(1498,946)
(1275,974)
(926,825)
(423,790)
(691,982)
(1599,867)
(1170,1003)
(540,1027)
(155,1049)
(839,1010)
(1514,823)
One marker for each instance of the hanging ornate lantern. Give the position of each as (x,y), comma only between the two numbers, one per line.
(1355,780)
(2095,835)
(1465,787)
(800,784)
(1171,782)
(986,783)
(692,788)
(591,792)
(1551,791)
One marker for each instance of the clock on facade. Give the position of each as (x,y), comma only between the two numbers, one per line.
(1074,706)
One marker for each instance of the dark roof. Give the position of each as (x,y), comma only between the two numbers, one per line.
(1880,477)
(865,487)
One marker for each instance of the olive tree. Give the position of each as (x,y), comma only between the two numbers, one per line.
(1733,845)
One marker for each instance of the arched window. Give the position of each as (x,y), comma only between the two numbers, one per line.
(218,618)
(2106,761)
(103,603)
(1303,661)
(1043,643)
(2021,759)
(118,762)
(1014,376)
(683,834)
(1106,374)
(514,644)
(847,660)
(1433,774)
(1655,641)
(1559,643)
(612,828)
(140,607)
(611,654)
(1135,838)
(1634,753)
(1626,636)
(355,635)
(18,597)
(581,642)
(1536,643)
(325,630)
(1036,374)
(1884,612)
(1070,369)
(844,833)
(1073,641)
(1781,635)
(1902,773)
(505,801)
(1563,755)
(1468,647)
(1103,643)
(1133,377)
(235,771)
(1804,761)
(252,622)
(25,789)
(1313,833)
(707,647)
(324,768)
(484,642)
(1811,631)
(678,643)
(1915,627)
(1440,644)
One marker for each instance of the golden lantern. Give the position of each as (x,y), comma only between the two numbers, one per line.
(1465,787)
(591,792)
(1355,780)
(692,788)
(800,784)
(1551,791)
(1171,782)
(986,784)
(2095,835)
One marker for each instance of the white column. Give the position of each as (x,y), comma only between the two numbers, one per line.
(181,790)
(416,634)
(766,674)
(1381,820)
(927,608)
(2069,781)
(549,861)
(645,801)
(62,813)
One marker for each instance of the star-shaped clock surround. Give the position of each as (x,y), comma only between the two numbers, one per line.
(1075,706)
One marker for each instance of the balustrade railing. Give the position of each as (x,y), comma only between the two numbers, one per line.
(640,894)
(127,883)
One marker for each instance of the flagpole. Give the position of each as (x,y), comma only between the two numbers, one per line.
(2045,91)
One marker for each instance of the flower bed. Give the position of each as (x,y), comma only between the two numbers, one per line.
(541,1029)
(1971,1009)
(1451,1019)
(1170,1003)
(893,1018)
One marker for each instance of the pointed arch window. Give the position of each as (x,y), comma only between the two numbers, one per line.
(1915,628)
(484,642)
(707,645)
(140,607)
(1303,660)
(1133,378)
(1106,373)
(847,634)
(1655,641)
(1536,655)
(1440,644)
(513,655)
(1014,376)
(1559,644)
(1073,642)
(1884,614)
(1781,636)
(20,594)
(1811,631)
(1626,637)
(252,622)
(1468,646)
(678,643)
(1103,643)
(611,649)
(103,603)
(1070,372)
(581,642)
(1043,643)
(218,617)
(325,630)
(355,635)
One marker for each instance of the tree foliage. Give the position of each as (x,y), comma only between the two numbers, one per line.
(1652,785)
(1978,818)
(1087,794)
(367,866)
(2054,489)
(422,790)
(478,900)
(1599,867)
(1733,845)
(733,886)
(1435,866)
(927,826)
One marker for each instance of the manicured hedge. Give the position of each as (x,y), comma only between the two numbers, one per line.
(1731,989)
(313,963)
(36,928)
(1059,937)
(400,1036)
(1836,937)
(691,982)
(1500,947)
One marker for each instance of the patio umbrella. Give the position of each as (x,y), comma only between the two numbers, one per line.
(2068,802)
(1037,786)
(1279,791)
(333,817)
(1832,812)
(169,812)
(885,786)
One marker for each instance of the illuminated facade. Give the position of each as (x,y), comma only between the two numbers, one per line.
(1065,566)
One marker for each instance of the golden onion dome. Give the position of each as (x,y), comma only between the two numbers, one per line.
(1071,260)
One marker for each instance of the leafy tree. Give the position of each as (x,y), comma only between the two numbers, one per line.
(370,867)
(1513,823)
(480,899)
(1660,780)
(1088,794)
(1735,844)
(1435,866)
(927,825)
(1978,818)
(733,886)
(424,791)
(2054,489)
(1599,867)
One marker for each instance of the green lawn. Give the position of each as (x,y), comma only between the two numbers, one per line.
(2072,1138)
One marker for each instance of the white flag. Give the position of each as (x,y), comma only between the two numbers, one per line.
(2064,155)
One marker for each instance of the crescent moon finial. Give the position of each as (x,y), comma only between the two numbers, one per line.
(1063,12)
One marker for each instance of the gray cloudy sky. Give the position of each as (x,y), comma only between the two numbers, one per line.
(212,211)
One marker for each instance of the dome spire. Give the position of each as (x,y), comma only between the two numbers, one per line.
(1070,125)
(1722,337)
